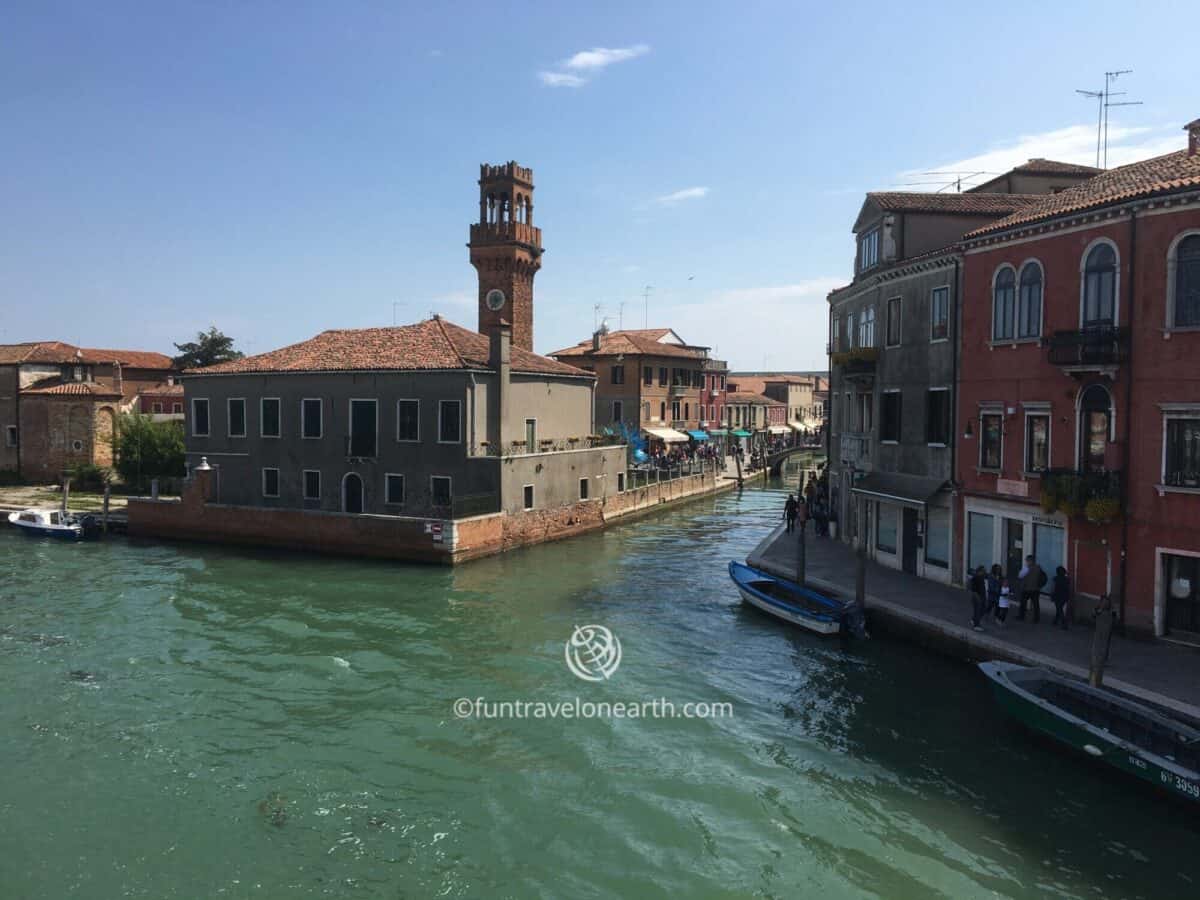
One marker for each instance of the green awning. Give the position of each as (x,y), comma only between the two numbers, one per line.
(740,433)
(698,435)
(717,432)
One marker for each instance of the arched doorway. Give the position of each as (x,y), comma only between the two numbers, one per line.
(352,493)
(1095,425)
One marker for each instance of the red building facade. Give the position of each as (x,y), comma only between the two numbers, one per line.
(1079,392)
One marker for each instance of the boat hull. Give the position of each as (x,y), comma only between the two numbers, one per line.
(825,622)
(1046,719)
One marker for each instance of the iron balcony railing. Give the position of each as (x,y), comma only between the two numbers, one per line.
(1103,345)
(860,361)
(1070,491)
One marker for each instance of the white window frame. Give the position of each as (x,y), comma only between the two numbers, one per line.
(278,483)
(991,411)
(932,292)
(441,408)
(403,489)
(532,504)
(156,408)
(1173,411)
(887,320)
(870,239)
(1087,251)
(229,401)
(866,327)
(304,419)
(1172,267)
(304,473)
(939,389)
(585,488)
(207,414)
(262,418)
(1033,409)
(449,479)
(350,426)
(342,492)
(1042,305)
(402,440)
(177,409)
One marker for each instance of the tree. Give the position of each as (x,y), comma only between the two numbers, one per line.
(147,449)
(209,348)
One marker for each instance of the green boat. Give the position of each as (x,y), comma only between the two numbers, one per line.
(1125,734)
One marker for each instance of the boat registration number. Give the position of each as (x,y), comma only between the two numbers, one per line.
(1189,788)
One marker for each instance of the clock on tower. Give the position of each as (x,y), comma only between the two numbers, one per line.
(506,250)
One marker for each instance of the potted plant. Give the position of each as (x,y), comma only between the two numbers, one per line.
(1102,510)
(1049,499)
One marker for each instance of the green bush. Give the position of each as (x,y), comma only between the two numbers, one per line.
(147,449)
(87,477)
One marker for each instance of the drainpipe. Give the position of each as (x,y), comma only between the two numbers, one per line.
(955,480)
(472,445)
(1125,491)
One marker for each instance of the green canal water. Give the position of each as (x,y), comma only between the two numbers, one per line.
(189,721)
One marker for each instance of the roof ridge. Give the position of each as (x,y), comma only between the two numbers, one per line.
(453,347)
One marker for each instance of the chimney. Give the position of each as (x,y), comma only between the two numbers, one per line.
(500,361)
(598,336)
(118,382)
(1193,130)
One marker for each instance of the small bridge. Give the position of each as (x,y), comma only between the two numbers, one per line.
(776,460)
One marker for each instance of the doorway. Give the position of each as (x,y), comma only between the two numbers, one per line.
(1014,552)
(352,493)
(909,541)
(1182,580)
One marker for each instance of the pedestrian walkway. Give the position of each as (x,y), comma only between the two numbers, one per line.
(1157,671)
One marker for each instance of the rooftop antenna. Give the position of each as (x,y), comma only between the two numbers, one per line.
(646,301)
(621,316)
(955,182)
(1103,103)
(596,317)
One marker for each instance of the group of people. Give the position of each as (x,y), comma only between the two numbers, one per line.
(994,593)
(816,508)
(667,456)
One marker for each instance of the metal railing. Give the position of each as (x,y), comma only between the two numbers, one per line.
(640,476)
(1070,490)
(1103,345)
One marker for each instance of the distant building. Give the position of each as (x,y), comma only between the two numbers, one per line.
(803,393)
(652,380)
(893,342)
(162,402)
(1079,397)
(59,403)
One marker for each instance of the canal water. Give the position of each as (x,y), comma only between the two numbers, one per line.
(189,721)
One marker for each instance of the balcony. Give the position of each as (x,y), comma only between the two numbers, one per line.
(854,449)
(1094,349)
(678,390)
(856,364)
(1094,495)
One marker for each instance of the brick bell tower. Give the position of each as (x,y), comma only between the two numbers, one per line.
(506,250)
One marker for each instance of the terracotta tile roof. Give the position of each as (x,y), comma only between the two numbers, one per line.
(62,353)
(1039,166)
(432,344)
(163,390)
(751,397)
(958,204)
(1161,175)
(57,388)
(640,342)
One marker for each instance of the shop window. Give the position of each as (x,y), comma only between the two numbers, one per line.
(937,537)
(1182,614)
(886,527)
(981,533)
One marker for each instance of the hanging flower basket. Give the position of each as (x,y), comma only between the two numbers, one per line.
(1102,510)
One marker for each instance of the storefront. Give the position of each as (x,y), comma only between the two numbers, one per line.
(907,521)
(662,438)
(1177,596)
(1005,533)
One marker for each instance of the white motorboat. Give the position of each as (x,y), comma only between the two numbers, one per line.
(54,523)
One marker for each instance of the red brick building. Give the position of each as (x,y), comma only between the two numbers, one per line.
(1079,391)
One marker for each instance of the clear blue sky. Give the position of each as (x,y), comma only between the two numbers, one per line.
(277,169)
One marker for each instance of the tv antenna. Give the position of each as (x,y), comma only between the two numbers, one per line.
(646,301)
(1104,102)
(621,316)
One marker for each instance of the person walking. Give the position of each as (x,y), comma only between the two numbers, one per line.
(1060,594)
(978,587)
(1003,602)
(790,509)
(993,587)
(1032,579)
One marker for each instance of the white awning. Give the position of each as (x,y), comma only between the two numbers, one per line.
(798,427)
(667,435)
(779,429)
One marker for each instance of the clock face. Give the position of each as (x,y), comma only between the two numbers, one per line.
(495,299)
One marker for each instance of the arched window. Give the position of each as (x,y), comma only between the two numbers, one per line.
(352,493)
(1029,302)
(1003,301)
(1100,287)
(866,328)
(1095,421)
(1187,283)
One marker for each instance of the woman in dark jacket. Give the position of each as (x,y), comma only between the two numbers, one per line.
(1060,593)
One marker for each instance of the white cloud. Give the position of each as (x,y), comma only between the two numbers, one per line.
(589,62)
(692,193)
(1073,144)
(600,57)
(561,79)
(809,289)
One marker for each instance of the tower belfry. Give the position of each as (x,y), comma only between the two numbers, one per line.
(506,250)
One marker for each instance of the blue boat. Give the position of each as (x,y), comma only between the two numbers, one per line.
(788,601)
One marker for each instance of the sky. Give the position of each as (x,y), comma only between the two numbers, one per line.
(276,169)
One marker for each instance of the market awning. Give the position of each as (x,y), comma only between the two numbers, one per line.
(907,490)
(699,435)
(667,435)
(798,427)
(779,429)
(717,432)
(741,433)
